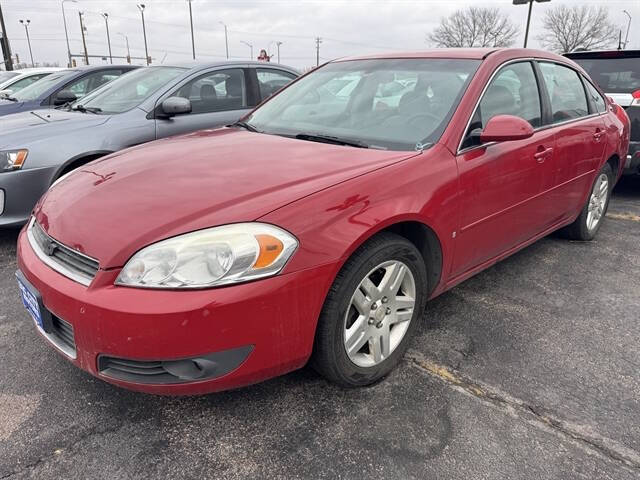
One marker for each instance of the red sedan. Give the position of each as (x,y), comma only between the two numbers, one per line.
(318,227)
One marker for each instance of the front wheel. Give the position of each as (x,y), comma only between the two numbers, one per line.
(371,312)
(590,219)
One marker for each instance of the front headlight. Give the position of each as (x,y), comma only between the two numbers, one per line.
(12,160)
(212,257)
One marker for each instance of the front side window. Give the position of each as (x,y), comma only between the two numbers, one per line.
(512,91)
(271,80)
(568,100)
(395,104)
(215,91)
(92,81)
(596,99)
(130,90)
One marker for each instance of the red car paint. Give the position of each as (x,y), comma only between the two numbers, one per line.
(481,204)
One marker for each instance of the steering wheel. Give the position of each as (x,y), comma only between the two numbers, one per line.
(426,115)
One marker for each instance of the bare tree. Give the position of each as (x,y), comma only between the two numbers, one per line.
(474,27)
(569,28)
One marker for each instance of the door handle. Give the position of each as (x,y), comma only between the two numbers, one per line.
(598,135)
(541,155)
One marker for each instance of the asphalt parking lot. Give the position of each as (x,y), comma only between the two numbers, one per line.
(531,369)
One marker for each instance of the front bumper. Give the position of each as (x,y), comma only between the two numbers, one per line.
(273,320)
(21,190)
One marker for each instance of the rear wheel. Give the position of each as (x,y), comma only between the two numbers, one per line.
(371,312)
(590,219)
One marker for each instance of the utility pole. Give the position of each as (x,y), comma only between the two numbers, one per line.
(144,33)
(4,44)
(318,42)
(84,40)
(106,22)
(193,42)
(66,32)
(226,38)
(626,38)
(278,47)
(128,51)
(248,45)
(26,29)
(530,2)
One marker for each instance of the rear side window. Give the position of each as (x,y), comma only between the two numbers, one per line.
(568,99)
(596,99)
(271,80)
(513,91)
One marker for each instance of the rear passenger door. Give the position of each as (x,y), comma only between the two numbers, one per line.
(502,185)
(218,97)
(579,132)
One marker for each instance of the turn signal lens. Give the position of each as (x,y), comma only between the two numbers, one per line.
(270,249)
(636,94)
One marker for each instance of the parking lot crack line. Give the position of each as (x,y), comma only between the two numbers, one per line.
(624,216)
(535,415)
(60,450)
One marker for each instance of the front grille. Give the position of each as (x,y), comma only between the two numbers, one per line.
(63,331)
(61,258)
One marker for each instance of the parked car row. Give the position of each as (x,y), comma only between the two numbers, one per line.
(315,227)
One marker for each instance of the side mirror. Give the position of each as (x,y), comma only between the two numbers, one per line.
(63,97)
(504,128)
(176,106)
(6,93)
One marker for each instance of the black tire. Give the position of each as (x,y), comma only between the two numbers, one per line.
(579,230)
(330,357)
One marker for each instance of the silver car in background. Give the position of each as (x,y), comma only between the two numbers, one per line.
(38,147)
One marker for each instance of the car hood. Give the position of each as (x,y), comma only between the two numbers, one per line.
(114,206)
(19,128)
(7,107)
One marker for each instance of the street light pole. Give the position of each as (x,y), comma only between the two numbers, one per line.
(278,47)
(144,32)
(26,29)
(226,38)
(248,45)
(5,46)
(128,51)
(193,42)
(106,22)
(530,2)
(66,32)
(626,38)
(84,40)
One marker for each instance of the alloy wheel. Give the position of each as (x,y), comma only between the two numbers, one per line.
(379,313)
(597,202)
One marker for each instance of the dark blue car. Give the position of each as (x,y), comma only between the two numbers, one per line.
(61,87)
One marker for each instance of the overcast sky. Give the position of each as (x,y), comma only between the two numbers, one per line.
(346,27)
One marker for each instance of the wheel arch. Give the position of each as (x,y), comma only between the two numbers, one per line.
(80,160)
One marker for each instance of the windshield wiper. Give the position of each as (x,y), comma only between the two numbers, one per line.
(83,109)
(331,139)
(246,126)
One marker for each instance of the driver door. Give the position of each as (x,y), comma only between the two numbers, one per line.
(218,97)
(502,184)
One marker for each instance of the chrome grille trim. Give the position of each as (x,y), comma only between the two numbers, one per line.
(68,262)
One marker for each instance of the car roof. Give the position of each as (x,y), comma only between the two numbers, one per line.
(463,53)
(32,71)
(88,68)
(604,54)
(226,63)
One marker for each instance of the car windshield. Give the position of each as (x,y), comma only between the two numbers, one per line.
(36,89)
(614,75)
(129,90)
(395,104)
(4,76)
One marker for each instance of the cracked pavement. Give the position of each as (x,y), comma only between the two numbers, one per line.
(530,369)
